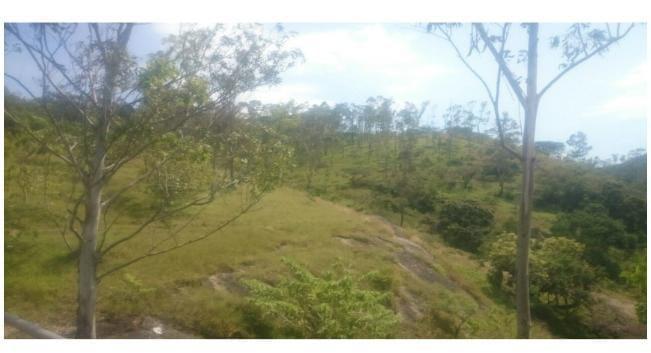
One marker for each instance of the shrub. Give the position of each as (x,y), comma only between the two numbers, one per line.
(465,224)
(332,306)
(635,276)
(597,232)
(501,255)
(558,274)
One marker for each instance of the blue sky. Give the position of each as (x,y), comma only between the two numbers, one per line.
(605,97)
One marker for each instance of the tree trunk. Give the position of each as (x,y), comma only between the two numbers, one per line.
(526,205)
(87,294)
(94,184)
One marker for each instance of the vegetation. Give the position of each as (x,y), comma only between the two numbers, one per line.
(332,306)
(220,224)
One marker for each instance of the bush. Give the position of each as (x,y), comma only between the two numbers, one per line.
(381,281)
(332,306)
(635,277)
(597,232)
(465,224)
(423,201)
(501,255)
(558,274)
(133,300)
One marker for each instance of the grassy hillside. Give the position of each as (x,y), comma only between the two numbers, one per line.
(436,291)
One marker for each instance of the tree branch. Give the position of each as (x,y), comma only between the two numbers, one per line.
(574,64)
(515,86)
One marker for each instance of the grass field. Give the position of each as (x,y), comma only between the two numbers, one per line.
(197,288)
(437,291)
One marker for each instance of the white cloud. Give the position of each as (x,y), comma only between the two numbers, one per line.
(625,106)
(366,60)
(631,100)
(299,92)
(635,79)
(165,29)
(385,61)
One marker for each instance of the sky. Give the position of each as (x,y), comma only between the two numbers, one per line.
(605,97)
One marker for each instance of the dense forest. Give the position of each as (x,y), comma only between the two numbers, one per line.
(153,200)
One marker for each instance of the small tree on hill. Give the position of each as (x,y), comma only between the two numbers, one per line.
(551,148)
(330,306)
(579,147)
(465,224)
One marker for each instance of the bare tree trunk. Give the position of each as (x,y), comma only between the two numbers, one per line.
(94,184)
(87,295)
(526,205)
(88,257)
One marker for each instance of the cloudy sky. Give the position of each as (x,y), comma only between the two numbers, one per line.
(605,97)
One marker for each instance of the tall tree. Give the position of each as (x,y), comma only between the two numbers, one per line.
(551,148)
(579,147)
(118,112)
(579,43)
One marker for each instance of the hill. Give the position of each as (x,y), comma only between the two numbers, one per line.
(435,290)
(632,170)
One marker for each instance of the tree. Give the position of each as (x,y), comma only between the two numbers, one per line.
(551,148)
(598,232)
(317,131)
(578,143)
(465,119)
(559,275)
(638,152)
(329,306)
(580,43)
(118,112)
(559,272)
(403,180)
(465,224)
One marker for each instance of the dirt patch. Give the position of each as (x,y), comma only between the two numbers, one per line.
(423,270)
(615,316)
(141,328)
(226,282)
(352,240)
(412,247)
(407,306)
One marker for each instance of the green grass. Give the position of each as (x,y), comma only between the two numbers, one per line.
(40,276)
(176,287)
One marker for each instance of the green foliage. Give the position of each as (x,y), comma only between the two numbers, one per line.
(133,298)
(452,315)
(559,275)
(579,146)
(501,255)
(465,224)
(500,166)
(598,232)
(551,148)
(562,189)
(331,306)
(379,280)
(635,276)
